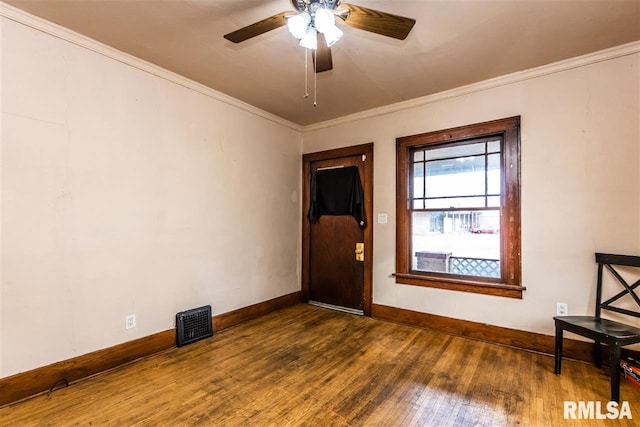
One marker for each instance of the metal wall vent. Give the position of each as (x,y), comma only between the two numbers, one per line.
(193,325)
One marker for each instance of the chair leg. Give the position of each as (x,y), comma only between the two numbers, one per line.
(597,354)
(558,349)
(615,373)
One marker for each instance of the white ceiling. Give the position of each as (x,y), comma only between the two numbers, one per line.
(453,43)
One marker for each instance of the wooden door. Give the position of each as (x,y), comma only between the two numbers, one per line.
(333,275)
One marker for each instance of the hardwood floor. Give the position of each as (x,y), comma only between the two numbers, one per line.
(309,366)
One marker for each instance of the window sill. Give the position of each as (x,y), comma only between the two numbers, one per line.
(478,287)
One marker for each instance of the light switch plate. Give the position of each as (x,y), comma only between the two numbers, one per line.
(382,218)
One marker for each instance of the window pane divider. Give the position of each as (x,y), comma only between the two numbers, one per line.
(463,209)
(439,159)
(457,197)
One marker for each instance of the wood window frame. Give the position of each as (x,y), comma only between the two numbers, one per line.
(510,282)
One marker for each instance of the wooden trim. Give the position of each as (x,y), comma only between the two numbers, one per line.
(524,340)
(306,228)
(478,130)
(353,150)
(27,384)
(39,380)
(232,318)
(307,159)
(496,289)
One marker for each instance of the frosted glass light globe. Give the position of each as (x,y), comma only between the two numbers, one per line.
(310,39)
(324,20)
(298,24)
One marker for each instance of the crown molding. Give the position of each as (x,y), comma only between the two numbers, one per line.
(24,18)
(17,15)
(556,67)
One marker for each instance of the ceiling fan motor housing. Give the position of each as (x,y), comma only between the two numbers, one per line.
(312,5)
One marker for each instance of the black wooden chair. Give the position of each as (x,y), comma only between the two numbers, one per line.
(614,334)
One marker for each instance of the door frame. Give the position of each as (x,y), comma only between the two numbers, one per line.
(307,159)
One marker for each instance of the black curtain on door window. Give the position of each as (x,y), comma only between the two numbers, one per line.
(336,191)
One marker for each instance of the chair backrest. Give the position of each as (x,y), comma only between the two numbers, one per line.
(609,261)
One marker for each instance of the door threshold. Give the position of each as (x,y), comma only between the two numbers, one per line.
(337,308)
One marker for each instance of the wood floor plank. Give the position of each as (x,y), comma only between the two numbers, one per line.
(308,366)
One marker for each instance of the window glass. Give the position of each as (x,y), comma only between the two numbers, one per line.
(455,202)
(458,242)
(493,201)
(418,179)
(493,174)
(454,151)
(460,176)
(494,146)
(449,178)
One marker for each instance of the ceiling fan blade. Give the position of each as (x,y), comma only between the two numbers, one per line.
(378,22)
(322,55)
(257,28)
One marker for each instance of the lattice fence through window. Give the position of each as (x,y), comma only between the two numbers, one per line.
(474,267)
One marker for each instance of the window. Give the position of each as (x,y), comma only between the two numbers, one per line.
(458,209)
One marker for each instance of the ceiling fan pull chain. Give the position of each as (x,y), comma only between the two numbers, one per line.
(306,72)
(315,83)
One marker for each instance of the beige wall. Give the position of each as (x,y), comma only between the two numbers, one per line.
(125,193)
(580,180)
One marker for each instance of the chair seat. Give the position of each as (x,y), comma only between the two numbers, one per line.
(604,330)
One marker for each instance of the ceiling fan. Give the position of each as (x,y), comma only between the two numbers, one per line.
(313,23)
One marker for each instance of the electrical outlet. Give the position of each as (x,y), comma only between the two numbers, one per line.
(562,309)
(130,321)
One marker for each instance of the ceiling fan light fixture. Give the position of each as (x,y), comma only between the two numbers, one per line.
(324,20)
(313,23)
(332,35)
(299,24)
(310,39)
